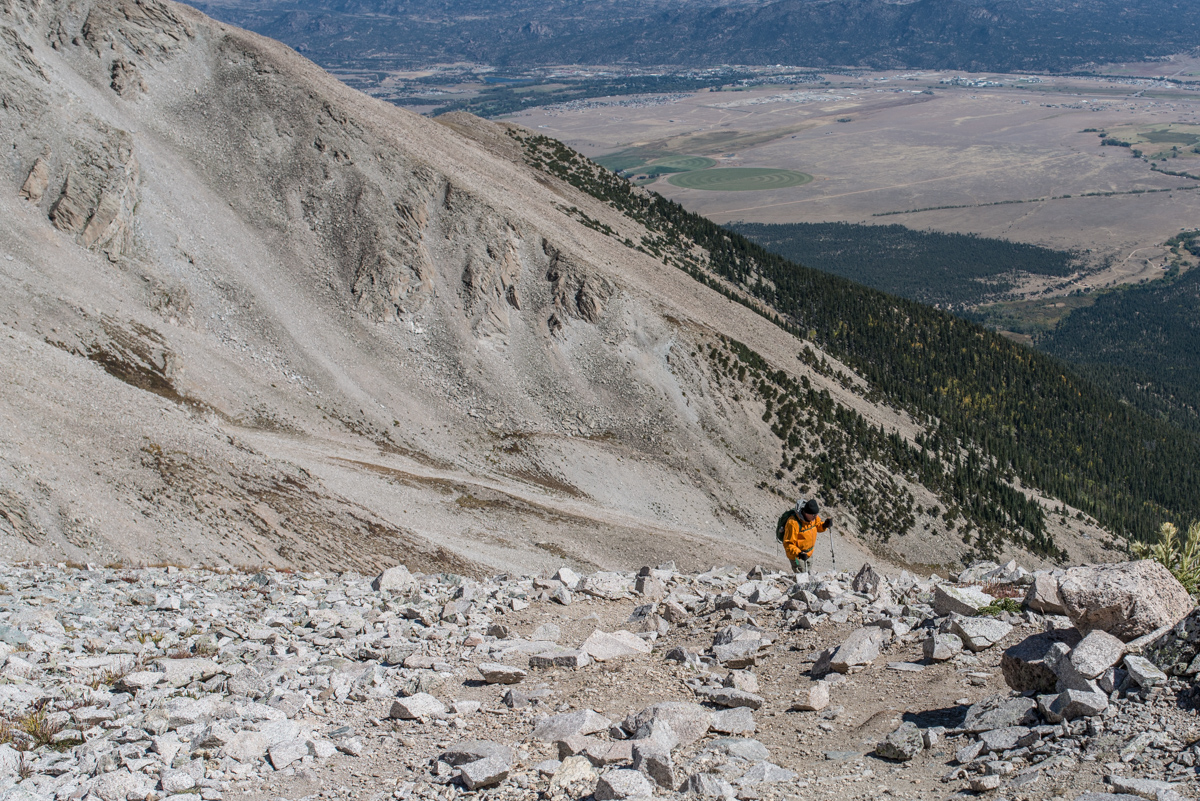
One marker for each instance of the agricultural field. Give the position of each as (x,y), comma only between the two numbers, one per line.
(1013,157)
(1158,142)
(739,179)
(645,167)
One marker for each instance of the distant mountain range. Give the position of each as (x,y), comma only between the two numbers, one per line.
(980,35)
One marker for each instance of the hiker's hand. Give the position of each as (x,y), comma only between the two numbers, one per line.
(829,521)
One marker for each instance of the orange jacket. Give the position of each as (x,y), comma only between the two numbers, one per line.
(799,538)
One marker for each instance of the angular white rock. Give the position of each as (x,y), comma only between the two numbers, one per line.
(963,600)
(486,772)
(941,647)
(860,648)
(621,784)
(980,633)
(560,727)
(1071,704)
(814,698)
(1144,672)
(284,754)
(568,577)
(496,673)
(1095,653)
(603,646)
(421,705)
(1043,597)
(394,579)
(246,746)
(1127,600)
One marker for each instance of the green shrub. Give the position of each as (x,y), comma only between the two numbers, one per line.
(1001,605)
(1183,561)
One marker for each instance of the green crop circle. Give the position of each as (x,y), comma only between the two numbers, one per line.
(680,163)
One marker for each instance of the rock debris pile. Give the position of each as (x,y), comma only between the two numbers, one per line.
(141,684)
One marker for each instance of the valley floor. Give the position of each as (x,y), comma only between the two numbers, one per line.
(945,151)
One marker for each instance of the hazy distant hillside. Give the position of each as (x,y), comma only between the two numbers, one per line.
(945,34)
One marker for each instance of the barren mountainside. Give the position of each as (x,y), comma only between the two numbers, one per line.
(253,316)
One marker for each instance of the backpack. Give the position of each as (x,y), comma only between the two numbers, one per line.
(783,518)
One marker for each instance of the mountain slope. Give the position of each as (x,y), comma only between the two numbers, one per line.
(994,412)
(250,315)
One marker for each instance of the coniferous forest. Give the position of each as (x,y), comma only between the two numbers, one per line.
(1143,342)
(994,410)
(944,270)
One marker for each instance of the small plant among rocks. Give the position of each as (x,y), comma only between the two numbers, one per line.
(1182,559)
(999,606)
(34,729)
(205,647)
(39,725)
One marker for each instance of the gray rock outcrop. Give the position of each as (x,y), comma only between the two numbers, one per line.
(1126,600)
(902,744)
(860,648)
(1024,664)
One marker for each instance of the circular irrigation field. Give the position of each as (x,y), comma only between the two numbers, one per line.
(739,179)
(684,163)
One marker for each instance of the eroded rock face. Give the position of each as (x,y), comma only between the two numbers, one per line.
(490,283)
(70,212)
(392,270)
(145,27)
(1127,600)
(34,188)
(126,77)
(99,192)
(576,293)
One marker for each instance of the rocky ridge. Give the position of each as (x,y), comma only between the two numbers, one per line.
(157,682)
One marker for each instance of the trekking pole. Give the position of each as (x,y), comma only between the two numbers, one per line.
(832,554)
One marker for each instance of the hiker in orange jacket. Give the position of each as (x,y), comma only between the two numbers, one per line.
(800,534)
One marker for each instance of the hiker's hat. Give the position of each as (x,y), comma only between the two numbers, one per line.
(810,507)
